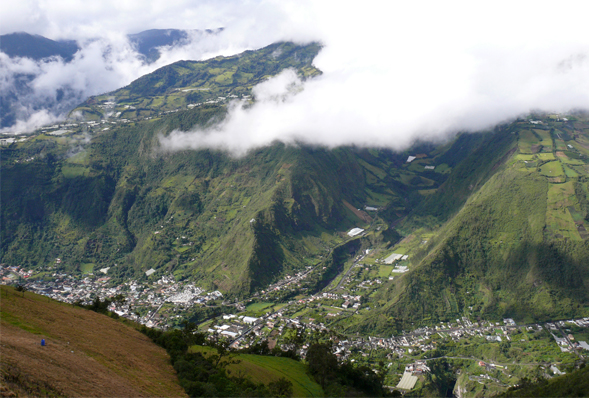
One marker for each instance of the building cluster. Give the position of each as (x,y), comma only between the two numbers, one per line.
(567,342)
(141,301)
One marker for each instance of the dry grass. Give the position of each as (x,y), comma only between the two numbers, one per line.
(87,354)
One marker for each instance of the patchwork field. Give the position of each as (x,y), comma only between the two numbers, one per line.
(528,142)
(558,217)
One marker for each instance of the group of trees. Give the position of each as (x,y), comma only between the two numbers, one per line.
(343,379)
(204,375)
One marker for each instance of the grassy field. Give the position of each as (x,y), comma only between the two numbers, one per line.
(522,156)
(258,309)
(87,354)
(546,139)
(74,171)
(551,169)
(546,156)
(558,217)
(87,268)
(266,369)
(385,271)
(570,172)
(527,140)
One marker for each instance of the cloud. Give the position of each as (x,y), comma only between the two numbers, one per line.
(394,72)
(108,61)
(416,71)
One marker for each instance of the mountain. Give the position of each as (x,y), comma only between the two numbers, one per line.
(22,44)
(493,223)
(37,47)
(513,242)
(20,97)
(86,353)
(189,84)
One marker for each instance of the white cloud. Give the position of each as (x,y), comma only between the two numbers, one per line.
(407,71)
(393,71)
(107,61)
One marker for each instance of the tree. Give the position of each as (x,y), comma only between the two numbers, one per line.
(281,388)
(119,299)
(322,362)
(224,356)
(21,288)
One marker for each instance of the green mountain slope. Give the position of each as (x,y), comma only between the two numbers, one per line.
(190,84)
(513,246)
(494,223)
(232,223)
(575,384)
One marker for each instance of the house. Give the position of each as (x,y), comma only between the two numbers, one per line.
(354,232)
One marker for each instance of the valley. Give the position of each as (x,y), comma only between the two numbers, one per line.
(454,266)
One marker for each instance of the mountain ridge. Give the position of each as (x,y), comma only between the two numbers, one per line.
(502,212)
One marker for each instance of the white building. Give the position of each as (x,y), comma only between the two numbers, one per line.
(355,231)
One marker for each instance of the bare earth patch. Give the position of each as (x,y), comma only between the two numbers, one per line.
(362,215)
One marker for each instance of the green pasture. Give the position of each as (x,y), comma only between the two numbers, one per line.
(384,271)
(546,156)
(86,268)
(570,172)
(266,369)
(74,171)
(258,307)
(526,140)
(552,169)
(546,139)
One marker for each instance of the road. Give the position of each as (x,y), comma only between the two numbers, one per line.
(568,340)
(347,273)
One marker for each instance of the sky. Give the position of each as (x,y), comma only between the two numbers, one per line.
(394,72)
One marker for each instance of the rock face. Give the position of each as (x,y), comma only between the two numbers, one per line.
(460,391)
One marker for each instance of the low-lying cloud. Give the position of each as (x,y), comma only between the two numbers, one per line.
(392,72)
(414,72)
(46,90)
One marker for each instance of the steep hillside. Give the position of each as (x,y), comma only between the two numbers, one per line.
(193,84)
(86,354)
(232,224)
(514,244)
(98,195)
(575,384)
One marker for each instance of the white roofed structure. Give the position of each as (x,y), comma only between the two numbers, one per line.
(355,231)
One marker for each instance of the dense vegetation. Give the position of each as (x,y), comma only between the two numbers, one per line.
(575,384)
(208,373)
(494,223)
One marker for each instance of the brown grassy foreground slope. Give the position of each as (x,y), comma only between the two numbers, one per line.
(86,353)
